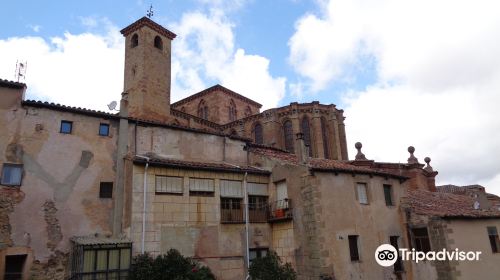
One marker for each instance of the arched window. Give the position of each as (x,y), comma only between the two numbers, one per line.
(134,42)
(306,131)
(257,131)
(158,43)
(248,111)
(288,134)
(324,133)
(232,111)
(203,110)
(233,132)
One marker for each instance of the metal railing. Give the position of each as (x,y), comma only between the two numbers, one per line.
(280,210)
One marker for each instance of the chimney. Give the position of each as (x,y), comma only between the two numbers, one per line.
(302,150)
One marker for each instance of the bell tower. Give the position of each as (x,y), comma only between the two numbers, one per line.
(147,70)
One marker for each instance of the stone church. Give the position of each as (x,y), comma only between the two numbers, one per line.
(83,191)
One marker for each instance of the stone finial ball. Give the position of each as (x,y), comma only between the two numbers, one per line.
(411,149)
(358,145)
(427,160)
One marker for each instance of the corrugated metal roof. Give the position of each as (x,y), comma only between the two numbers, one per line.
(99,240)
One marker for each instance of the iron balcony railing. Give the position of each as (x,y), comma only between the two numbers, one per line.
(280,210)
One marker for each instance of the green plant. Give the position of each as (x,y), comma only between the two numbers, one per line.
(171,266)
(271,267)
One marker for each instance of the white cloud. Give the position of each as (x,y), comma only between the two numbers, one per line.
(438,78)
(84,70)
(204,54)
(36,28)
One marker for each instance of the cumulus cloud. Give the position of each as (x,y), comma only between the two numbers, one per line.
(84,70)
(204,53)
(438,77)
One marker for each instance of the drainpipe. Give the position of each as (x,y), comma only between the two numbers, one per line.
(245,193)
(144,202)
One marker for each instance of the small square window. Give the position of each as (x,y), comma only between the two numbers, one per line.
(12,174)
(66,127)
(257,253)
(106,190)
(104,129)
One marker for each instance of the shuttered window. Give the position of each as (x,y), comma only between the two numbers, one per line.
(257,189)
(494,240)
(169,184)
(388,195)
(199,186)
(362,193)
(353,247)
(231,188)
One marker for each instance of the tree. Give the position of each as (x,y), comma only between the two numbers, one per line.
(171,266)
(271,267)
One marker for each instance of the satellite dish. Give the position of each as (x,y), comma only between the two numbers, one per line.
(112,105)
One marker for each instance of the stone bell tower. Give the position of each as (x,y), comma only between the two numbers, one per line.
(147,70)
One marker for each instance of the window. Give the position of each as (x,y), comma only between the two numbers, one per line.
(14,266)
(257,209)
(288,134)
(232,111)
(258,133)
(104,129)
(229,188)
(494,241)
(96,260)
(388,195)
(398,265)
(353,247)
(306,130)
(66,127)
(324,133)
(421,239)
(12,174)
(201,187)
(362,193)
(231,210)
(169,185)
(106,190)
(158,43)
(134,42)
(257,253)
(203,110)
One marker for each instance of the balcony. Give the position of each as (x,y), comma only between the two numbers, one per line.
(280,211)
(277,211)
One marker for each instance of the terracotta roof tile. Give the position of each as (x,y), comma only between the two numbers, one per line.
(60,107)
(321,164)
(12,84)
(446,205)
(144,21)
(214,166)
(213,89)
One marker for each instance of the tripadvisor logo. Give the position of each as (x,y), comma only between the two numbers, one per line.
(387,255)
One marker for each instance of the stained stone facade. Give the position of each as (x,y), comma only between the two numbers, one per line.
(82,191)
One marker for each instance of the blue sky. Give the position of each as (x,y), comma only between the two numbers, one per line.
(421,73)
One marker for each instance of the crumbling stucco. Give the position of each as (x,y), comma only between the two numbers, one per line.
(56,268)
(8,199)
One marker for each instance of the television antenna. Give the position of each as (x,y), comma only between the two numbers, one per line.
(20,73)
(112,106)
(150,12)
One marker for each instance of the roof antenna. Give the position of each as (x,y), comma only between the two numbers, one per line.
(150,11)
(20,70)
(112,106)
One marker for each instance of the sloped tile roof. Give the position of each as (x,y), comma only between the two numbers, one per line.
(11,84)
(213,89)
(60,107)
(212,166)
(446,205)
(145,21)
(318,164)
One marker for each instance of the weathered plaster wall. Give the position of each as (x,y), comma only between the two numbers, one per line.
(191,146)
(472,235)
(374,223)
(192,224)
(60,183)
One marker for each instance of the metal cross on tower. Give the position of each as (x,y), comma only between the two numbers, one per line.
(150,12)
